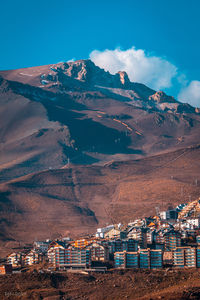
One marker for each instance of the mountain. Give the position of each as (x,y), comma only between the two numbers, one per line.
(79,199)
(77,112)
(80,147)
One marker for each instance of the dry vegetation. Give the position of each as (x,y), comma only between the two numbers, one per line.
(129,284)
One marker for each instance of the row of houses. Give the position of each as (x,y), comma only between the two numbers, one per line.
(85,251)
(151,242)
(20,258)
(155,259)
(145,258)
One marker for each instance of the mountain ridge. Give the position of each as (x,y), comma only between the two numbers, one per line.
(62,102)
(75,145)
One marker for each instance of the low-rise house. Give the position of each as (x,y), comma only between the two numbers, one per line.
(98,252)
(101,231)
(41,246)
(168,257)
(31,258)
(83,242)
(192,223)
(5,269)
(172,214)
(112,234)
(163,215)
(14,259)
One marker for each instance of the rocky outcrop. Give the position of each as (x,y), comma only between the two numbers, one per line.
(123,76)
(161,97)
(90,74)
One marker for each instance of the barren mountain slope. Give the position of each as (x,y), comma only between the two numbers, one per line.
(79,199)
(78,111)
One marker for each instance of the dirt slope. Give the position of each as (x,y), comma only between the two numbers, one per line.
(117,285)
(79,199)
(77,111)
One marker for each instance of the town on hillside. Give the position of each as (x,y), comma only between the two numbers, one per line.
(170,239)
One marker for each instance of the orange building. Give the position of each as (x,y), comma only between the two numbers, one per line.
(5,269)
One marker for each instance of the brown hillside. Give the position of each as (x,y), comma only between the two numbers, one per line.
(116,285)
(77,111)
(78,199)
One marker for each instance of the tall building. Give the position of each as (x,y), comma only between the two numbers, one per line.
(126,259)
(144,258)
(98,251)
(156,259)
(60,256)
(198,257)
(143,240)
(76,256)
(178,258)
(186,257)
(190,257)
(120,259)
(132,260)
(172,240)
(198,239)
(129,245)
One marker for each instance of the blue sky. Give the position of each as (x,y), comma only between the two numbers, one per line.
(43,32)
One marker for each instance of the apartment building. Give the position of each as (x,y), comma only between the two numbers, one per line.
(129,245)
(172,240)
(5,269)
(156,259)
(126,259)
(98,251)
(71,256)
(31,258)
(186,257)
(14,259)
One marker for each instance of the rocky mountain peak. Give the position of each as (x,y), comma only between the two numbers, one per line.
(80,69)
(87,72)
(124,79)
(161,97)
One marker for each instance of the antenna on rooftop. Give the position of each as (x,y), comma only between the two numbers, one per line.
(181,191)
(157,211)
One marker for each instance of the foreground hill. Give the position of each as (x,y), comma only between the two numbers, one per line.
(130,284)
(79,199)
(76,111)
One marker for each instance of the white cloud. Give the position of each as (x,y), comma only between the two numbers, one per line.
(191,93)
(156,72)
